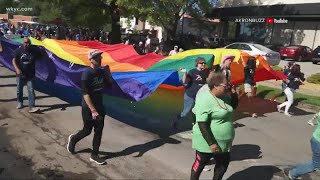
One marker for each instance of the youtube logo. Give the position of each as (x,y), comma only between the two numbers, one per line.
(276,21)
(269,20)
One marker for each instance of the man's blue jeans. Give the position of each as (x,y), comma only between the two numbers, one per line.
(311,165)
(188,103)
(30,86)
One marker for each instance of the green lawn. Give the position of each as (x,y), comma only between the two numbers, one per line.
(268,92)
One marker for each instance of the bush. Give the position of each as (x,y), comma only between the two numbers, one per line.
(315,78)
(277,68)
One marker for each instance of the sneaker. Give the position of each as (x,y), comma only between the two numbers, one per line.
(254,115)
(287,114)
(287,174)
(97,159)
(311,123)
(34,110)
(20,106)
(71,145)
(279,108)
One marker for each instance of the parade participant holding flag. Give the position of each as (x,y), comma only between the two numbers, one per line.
(249,73)
(194,79)
(94,79)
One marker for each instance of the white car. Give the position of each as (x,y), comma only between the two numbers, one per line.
(272,57)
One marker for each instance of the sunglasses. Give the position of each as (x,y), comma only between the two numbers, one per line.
(202,63)
(26,42)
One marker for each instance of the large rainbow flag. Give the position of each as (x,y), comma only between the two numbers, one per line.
(136,76)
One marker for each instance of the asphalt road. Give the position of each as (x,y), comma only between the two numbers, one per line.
(306,67)
(33,145)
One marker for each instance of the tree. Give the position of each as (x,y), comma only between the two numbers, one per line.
(166,13)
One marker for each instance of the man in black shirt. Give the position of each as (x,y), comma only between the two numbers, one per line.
(24,65)
(93,79)
(194,79)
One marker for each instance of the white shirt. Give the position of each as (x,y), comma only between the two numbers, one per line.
(172,52)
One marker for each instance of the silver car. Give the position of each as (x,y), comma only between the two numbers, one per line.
(272,57)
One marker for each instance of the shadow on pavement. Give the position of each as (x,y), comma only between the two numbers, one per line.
(257,173)
(241,152)
(8,76)
(62,107)
(141,149)
(8,85)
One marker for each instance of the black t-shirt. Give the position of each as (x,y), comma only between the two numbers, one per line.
(294,81)
(197,80)
(93,81)
(286,71)
(26,60)
(249,75)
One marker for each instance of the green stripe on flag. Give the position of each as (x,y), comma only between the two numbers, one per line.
(175,64)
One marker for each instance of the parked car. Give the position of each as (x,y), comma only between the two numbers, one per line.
(296,52)
(274,47)
(272,57)
(316,55)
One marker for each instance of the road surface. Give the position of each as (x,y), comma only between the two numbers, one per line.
(306,67)
(33,145)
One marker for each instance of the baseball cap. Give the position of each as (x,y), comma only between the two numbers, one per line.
(175,46)
(94,53)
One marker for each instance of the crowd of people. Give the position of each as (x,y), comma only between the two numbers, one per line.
(209,95)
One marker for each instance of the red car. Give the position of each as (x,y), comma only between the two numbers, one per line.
(296,52)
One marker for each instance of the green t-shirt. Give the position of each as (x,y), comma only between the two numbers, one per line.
(316,133)
(207,109)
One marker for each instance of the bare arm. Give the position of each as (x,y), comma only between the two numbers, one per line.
(185,78)
(88,100)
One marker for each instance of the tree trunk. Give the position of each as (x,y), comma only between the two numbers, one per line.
(173,30)
(115,24)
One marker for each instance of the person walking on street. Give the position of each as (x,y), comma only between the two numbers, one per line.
(213,132)
(24,64)
(314,164)
(295,79)
(93,79)
(286,71)
(194,79)
(249,72)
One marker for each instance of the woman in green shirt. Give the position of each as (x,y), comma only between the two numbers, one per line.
(213,132)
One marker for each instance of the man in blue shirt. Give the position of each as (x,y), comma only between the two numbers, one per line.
(24,65)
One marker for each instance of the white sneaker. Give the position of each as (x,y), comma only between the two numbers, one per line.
(20,106)
(34,110)
(311,123)
(279,108)
(287,114)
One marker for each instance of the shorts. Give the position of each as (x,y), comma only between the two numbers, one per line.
(247,88)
